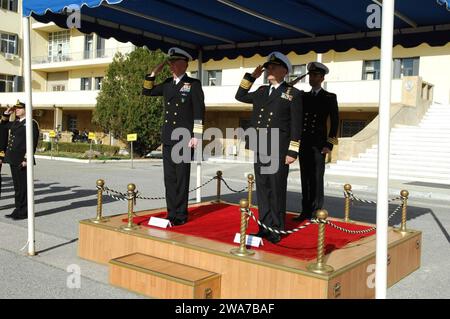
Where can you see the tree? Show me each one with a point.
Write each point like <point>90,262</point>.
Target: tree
<point>121,109</point>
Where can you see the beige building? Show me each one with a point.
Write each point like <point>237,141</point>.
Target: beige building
<point>68,68</point>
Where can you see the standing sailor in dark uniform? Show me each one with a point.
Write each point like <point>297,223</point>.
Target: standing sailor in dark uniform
<point>319,106</point>
<point>184,108</point>
<point>275,106</point>
<point>16,156</point>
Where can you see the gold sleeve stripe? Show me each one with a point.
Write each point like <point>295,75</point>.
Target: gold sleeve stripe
<point>246,84</point>
<point>148,84</point>
<point>294,146</point>
<point>2,154</point>
<point>198,129</point>
<point>333,140</point>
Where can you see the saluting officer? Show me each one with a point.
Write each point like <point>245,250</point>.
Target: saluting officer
<point>275,106</point>
<point>184,108</point>
<point>319,106</point>
<point>16,156</point>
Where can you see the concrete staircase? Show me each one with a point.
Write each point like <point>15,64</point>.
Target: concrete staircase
<point>417,153</point>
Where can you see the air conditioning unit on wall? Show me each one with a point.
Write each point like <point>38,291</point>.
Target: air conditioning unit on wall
<point>9,56</point>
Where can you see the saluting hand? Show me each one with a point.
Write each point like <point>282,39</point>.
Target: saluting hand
<point>258,71</point>
<point>158,68</point>
<point>9,110</point>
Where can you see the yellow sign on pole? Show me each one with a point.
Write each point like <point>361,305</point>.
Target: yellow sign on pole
<point>91,136</point>
<point>52,134</point>
<point>131,137</point>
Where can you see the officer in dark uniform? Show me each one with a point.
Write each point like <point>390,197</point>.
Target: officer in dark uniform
<point>17,158</point>
<point>275,106</point>
<point>319,106</point>
<point>3,143</point>
<point>184,108</point>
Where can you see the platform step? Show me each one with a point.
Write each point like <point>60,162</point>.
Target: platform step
<point>161,278</point>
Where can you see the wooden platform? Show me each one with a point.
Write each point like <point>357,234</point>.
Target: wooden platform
<point>263,275</point>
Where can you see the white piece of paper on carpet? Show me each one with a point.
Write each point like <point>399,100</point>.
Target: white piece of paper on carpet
<point>250,240</point>
<point>159,222</point>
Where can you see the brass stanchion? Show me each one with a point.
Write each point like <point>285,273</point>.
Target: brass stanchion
<point>242,250</point>
<point>131,198</point>
<point>320,267</point>
<point>99,219</point>
<point>251,181</point>
<point>404,194</point>
<point>347,202</point>
<point>219,183</point>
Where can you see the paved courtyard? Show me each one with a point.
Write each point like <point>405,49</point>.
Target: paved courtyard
<point>65,193</point>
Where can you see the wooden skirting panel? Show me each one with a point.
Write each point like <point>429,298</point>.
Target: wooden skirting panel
<point>263,275</point>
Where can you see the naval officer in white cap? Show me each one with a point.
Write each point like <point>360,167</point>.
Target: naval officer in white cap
<point>184,107</point>
<point>319,106</point>
<point>275,106</point>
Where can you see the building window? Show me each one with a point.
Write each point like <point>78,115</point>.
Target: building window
<point>350,128</point>
<point>100,47</point>
<point>371,70</point>
<point>86,84</point>
<point>406,67</point>
<point>297,70</point>
<point>402,67</point>
<point>58,87</point>
<point>88,46</point>
<point>9,43</point>
<point>72,123</point>
<point>98,83</point>
<point>10,5</point>
<point>213,78</point>
<point>6,83</point>
<point>59,46</point>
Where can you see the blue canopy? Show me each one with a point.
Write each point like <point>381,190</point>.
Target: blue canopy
<point>229,28</point>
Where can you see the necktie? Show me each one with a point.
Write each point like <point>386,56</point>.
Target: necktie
<point>174,82</point>
<point>272,88</point>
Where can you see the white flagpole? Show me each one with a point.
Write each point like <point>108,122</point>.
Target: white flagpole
<point>29,132</point>
<point>387,34</point>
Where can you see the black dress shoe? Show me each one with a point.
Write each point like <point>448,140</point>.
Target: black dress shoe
<point>179,222</point>
<point>10,216</point>
<point>19,217</point>
<point>274,238</point>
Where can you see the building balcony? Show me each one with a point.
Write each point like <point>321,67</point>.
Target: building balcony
<point>46,100</point>
<point>77,60</point>
<point>352,96</point>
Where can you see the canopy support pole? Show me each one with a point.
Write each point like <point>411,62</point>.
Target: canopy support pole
<point>29,133</point>
<point>199,150</point>
<point>387,34</point>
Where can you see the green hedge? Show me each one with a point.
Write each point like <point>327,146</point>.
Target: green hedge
<point>79,147</point>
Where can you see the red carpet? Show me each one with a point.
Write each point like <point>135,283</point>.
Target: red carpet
<point>221,222</point>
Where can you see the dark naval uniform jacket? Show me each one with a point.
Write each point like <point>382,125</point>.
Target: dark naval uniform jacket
<point>316,111</point>
<point>16,149</point>
<point>184,105</point>
<point>282,110</point>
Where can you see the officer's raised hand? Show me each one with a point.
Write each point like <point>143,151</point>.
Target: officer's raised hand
<point>258,71</point>
<point>158,68</point>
